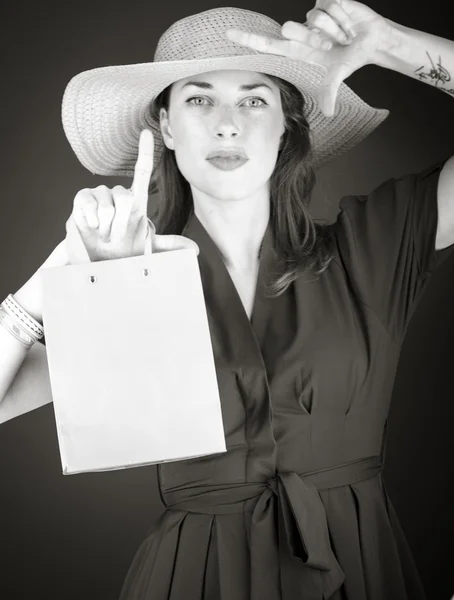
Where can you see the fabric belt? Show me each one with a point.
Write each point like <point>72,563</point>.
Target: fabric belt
<point>302,524</point>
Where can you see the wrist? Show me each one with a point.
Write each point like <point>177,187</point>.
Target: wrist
<point>394,50</point>
<point>58,257</point>
<point>29,297</point>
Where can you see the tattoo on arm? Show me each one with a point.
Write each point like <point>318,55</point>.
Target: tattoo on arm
<point>437,74</point>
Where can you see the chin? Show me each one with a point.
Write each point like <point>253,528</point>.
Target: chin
<point>230,191</point>
<point>230,186</point>
<point>232,196</point>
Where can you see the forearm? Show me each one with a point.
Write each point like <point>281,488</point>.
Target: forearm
<point>24,377</point>
<point>420,55</point>
<point>12,351</point>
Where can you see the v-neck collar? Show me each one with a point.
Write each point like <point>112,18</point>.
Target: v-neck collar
<point>240,334</point>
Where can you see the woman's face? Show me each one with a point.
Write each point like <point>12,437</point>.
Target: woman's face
<point>225,128</point>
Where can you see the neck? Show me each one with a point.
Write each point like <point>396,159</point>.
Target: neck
<point>237,226</point>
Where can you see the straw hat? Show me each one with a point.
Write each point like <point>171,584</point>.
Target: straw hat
<point>105,109</point>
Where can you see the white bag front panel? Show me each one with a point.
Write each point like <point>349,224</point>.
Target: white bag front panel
<point>130,362</point>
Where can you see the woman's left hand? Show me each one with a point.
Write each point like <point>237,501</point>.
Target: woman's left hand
<point>340,35</point>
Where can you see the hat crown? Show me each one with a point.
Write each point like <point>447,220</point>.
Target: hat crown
<point>202,35</point>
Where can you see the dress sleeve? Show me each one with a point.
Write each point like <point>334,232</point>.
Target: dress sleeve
<point>386,245</point>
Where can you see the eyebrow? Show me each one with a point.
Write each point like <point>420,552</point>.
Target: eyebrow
<point>244,88</point>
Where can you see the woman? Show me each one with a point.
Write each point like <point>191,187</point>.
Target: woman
<point>305,320</point>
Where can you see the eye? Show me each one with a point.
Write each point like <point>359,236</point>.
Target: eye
<point>198,101</point>
<point>254,102</point>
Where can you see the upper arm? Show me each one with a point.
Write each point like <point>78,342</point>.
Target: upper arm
<point>445,200</point>
<point>387,243</point>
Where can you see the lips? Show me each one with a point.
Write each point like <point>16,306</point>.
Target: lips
<point>227,159</point>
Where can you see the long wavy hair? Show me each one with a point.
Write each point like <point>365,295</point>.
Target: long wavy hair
<point>306,246</point>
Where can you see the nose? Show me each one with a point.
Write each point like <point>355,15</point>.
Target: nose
<point>226,126</point>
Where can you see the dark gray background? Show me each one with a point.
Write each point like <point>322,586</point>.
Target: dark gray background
<point>74,537</point>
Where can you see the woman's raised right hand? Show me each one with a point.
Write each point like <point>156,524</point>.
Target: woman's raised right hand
<point>113,222</point>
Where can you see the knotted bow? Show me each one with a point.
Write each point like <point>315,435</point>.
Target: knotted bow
<point>302,527</point>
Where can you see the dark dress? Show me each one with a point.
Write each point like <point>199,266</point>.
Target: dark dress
<point>296,509</point>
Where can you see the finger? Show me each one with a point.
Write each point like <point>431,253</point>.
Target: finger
<point>143,170</point>
<point>123,222</point>
<point>106,211</point>
<point>86,208</point>
<point>166,243</point>
<point>326,24</point>
<point>78,216</point>
<point>301,33</point>
<point>337,12</point>
<point>140,236</point>
<point>261,43</point>
<point>329,87</point>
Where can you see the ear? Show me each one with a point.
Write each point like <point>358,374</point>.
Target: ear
<point>165,129</point>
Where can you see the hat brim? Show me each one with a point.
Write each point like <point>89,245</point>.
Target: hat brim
<point>105,109</point>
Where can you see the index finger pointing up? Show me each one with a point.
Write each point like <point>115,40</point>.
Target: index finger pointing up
<point>143,169</point>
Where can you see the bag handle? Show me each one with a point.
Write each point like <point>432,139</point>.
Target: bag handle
<point>79,253</point>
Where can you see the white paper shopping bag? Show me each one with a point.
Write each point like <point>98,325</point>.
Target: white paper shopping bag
<point>130,362</point>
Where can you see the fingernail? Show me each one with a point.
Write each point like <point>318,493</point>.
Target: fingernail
<point>326,45</point>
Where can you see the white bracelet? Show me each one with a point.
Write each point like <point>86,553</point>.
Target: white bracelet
<point>15,329</point>
<point>27,322</point>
